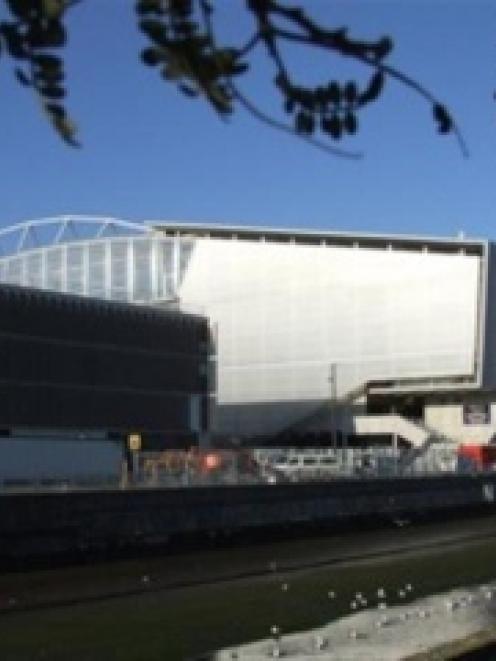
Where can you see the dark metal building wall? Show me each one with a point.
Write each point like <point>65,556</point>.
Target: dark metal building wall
<point>68,362</point>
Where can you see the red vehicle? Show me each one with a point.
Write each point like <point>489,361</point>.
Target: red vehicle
<point>477,456</point>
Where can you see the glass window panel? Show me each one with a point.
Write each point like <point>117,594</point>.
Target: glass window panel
<point>34,272</point>
<point>75,269</point>
<point>168,268</point>
<point>54,269</point>
<point>96,270</point>
<point>13,272</point>
<point>142,270</point>
<point>186,249</point>
<point>118,270</point>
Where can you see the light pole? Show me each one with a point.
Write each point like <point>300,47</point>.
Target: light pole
<point>333,385</point>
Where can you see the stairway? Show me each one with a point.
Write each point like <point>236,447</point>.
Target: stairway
<point>392,425</point>
<point>421,437</point>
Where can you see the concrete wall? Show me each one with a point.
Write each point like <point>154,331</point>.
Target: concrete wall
<point>447,419</point>
<point>63,523</point>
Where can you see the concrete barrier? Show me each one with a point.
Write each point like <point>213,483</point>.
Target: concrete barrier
<point>49,524</point>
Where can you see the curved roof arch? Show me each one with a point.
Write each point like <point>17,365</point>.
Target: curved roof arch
<point>55,230</point>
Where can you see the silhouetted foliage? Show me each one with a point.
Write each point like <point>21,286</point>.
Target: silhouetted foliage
<point>30,37</point>
<point>182,45</point>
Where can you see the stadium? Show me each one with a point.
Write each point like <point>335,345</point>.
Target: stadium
<point>314,332</point>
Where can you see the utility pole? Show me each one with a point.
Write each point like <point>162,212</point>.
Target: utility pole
<point>395,444</point>
<point>333,388</point>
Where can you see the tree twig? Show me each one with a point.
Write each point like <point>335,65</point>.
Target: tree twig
<point>387,69</point>
<point>366,52</point>
<point>280,126</point>
<point>250,44</point>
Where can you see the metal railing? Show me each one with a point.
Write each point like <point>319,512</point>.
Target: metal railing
<point>195,468</point>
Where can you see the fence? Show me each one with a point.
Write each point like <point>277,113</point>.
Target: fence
<point>195,468</point>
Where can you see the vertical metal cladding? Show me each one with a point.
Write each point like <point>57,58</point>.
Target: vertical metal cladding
<point>78,363</point>
<point>285,313</point>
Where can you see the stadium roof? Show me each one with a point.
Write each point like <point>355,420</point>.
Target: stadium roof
<point>315,236</point>
<point>32,234</point>
<point>45,232</point>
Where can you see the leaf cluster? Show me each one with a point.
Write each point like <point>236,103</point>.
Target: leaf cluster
<point>332,107</point>
<point>184,50</point>
<point>35,30</point>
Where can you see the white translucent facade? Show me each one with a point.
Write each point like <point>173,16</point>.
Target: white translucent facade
<point>287,309</point>
<point>287,314</point>
<point>102,258</point>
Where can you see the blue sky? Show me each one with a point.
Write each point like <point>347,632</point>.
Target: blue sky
<point>150,153</point>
